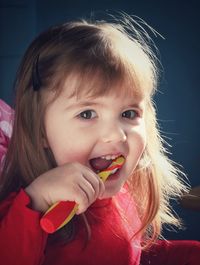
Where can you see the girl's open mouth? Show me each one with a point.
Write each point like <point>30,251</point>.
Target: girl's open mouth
<point>102,164</point>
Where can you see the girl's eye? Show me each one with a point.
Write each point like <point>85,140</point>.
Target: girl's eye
<point>130,114</point>
<point>88,114</point>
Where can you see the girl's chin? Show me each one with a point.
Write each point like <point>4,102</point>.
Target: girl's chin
<point>112,189</point>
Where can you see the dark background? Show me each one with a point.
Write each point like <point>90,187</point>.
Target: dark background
<point>178,96</point>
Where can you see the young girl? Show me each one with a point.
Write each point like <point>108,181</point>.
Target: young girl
<point>83,98</point>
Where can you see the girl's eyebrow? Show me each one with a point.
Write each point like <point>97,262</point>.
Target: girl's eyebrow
<point>92,103</point>
<point>83,104</point>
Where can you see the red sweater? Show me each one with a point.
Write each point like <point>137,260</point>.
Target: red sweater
<point>22,241</point>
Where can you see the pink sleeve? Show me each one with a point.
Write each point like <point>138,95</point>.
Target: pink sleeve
<point>22,241</point>
<point>6,123</point>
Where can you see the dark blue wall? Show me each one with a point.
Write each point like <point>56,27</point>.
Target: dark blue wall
<point>178,97</point>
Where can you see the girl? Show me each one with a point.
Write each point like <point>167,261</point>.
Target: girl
<point>83,98</point>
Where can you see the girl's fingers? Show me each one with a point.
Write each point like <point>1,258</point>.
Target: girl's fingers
<point>90,188</point>
<point>84,198</point>
<point>96,182</point>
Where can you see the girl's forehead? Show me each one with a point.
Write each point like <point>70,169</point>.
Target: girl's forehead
<point>97,85</point>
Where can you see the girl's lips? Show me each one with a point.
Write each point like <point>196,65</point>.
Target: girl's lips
<point>102,163</point>
<point>107,169</point>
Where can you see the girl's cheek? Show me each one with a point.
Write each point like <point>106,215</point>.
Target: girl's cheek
<point>74,155</point>
<point>138,136</point>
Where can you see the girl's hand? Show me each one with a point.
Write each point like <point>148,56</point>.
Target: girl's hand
<point>70,182</point>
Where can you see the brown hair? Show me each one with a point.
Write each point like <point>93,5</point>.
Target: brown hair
<point>105,54</point>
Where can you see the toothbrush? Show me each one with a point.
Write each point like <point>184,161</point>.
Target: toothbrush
<point>60,213</point>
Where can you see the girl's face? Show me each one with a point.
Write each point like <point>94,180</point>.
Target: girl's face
<point>79,130</point>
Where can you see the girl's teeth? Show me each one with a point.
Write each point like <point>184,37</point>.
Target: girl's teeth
<point>109,157</point>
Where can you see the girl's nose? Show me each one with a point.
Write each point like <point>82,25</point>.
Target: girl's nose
<point>113,133</point>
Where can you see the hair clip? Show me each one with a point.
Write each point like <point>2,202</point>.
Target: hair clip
<point>36,81</point>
